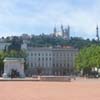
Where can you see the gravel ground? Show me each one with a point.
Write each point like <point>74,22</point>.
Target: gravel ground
<point>80,89</point>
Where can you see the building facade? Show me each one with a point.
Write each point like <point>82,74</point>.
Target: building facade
<point>51,61</point>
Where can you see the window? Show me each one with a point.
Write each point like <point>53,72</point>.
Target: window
<point>53,54</point>
<point>68,65</point>
<point>46,58</point>
<point>42,64</point>
<point>50,59</point>
<point>64,54</point>
<point>39,58</point>
<point>46,54</point>
<point>49,54</point>
<point>53,65</point>
<point>57,54</point>
<point>35,54</point>
<point>35,64</point>
<point>68,55</point>
<point>31,54</point>
<point>57,65</point>
<point>42,59</point>
<point>39,54</point>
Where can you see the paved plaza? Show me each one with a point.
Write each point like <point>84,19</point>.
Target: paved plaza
<point>80,89</point>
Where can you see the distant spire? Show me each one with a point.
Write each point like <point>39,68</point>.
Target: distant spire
<point>61,27</point>
<point>62,30</point>
<point>97,33</point>
<point>68,34</point>
<point>68,28</point>
<point>55,31</point>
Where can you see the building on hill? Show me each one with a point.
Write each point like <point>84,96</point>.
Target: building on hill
<point>24,45</point>
<point>64,33</point>
<point>25,36</point>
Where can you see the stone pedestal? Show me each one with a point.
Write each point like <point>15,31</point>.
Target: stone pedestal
<point>13,64</point>
<point>4,75</point>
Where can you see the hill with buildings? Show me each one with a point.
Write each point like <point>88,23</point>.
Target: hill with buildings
<point>15,42</point>
<point>58,38</point>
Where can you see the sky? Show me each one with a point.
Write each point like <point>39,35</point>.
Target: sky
<point>41,16</point>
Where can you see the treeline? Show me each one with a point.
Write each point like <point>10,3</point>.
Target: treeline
<point>88,59</point>
<point>49,40</point>
<point>46,40</point>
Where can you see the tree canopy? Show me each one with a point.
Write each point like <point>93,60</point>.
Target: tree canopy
<point>47,40</point>
<point>88,58</point>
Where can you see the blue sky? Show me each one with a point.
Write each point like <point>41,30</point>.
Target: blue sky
<point>40,16</point>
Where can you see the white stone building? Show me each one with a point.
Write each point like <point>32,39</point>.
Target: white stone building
<point>64,33</point>
<point>56,61</point>
<point>15,64</point>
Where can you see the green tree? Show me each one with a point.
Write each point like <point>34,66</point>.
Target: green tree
<point>2,56</point>
<point>88,58</point>
<point>15,44</point>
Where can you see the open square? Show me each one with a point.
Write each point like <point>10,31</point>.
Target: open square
<point>80,89</point>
